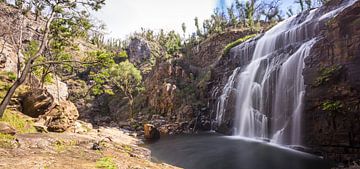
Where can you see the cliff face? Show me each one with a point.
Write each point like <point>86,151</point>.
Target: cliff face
<point>332,77</point>
<point>330,122</point>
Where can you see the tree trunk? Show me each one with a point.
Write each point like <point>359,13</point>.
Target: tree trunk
<point>8,96</point>
<point>27,68</point>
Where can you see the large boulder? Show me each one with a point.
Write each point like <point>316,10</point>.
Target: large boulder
<point>58,89</point>
<point>37,102</point>
<point>61,117</point>
<point>150,132</point>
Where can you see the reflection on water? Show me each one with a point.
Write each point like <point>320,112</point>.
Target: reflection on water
<point>213,151</point>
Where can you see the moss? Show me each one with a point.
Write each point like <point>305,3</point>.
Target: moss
<point>326,74</point>
<point>106,163</point>
<point>332,105</point>
<point>18,122</point>
<point>231,45</point>
<point>7,141</point>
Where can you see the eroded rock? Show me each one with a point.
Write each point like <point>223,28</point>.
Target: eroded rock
<point>61,117</point>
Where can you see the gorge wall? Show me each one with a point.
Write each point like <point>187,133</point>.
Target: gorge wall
<point>331,75</point>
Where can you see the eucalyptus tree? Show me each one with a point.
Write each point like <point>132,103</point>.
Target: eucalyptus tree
<point>64,19</point>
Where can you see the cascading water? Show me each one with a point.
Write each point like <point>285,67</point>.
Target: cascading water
<point>270,88</point>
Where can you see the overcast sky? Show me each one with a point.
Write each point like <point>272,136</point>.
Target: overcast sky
<point>123,17</point>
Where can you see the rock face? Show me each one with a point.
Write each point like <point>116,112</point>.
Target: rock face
<point>332,77</point>
<point>61,117</point>
<point>138,51</point>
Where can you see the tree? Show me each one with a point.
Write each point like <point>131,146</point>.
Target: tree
<point>249,12</point>
<point>127,79</point>
<point>232,18</point>
<point>198,31</point>
<point>60,15</point>
<point>271,10</point>
<point>183,27</point>
<point>308,4</point>
<point>301,4</point>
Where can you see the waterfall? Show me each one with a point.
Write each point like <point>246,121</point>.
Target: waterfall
<point>270,87</point>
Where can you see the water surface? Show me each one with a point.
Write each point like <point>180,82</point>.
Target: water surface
<point>214,151</point>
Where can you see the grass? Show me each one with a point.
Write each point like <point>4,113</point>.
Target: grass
<point>106,163</point>
<point>6,141</point>
<point>231,45</point>
<point>18,122</point>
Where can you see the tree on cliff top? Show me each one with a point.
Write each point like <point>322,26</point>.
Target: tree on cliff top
<point>59,14</point>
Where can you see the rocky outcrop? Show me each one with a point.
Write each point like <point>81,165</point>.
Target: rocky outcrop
<point>61,117</point>
<point>332,77</point>
<point>37,102</point>
<point>138,51</point>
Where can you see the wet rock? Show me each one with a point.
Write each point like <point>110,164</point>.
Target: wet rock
<point>150,132</point>
<point>61,117</point>
<point>6,129</point>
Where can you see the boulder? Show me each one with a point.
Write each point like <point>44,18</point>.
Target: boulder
<point>58,90</point>
<point>150,132</point>
<point>37,102</point>
<point>6,129</point>
<point>61,117</point>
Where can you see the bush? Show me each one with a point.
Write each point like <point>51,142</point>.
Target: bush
<point>106,163</point>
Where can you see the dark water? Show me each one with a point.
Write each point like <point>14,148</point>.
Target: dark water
<point>213,151</point>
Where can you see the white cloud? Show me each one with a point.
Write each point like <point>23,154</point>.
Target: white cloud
<point>123,17</point>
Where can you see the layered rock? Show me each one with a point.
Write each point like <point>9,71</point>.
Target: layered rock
<point>61,117</point>
<point>332,77</point>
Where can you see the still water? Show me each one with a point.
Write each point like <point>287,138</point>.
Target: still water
<point>214,151</point>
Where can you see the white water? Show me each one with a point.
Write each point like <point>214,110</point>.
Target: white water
<point>270,89</point>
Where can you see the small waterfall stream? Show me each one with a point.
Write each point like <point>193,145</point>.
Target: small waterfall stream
<point>270,87</point>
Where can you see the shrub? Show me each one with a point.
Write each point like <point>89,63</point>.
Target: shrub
<point>106,163</point>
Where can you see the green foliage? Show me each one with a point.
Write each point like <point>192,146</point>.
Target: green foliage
<point>126,77</point>
<point>332,105</point>
<point>18,122</point>
<point>229,46</point>
<point>106,163</point>
<point>38,71</point>
<point>326,73</point>
<point>99,71</point>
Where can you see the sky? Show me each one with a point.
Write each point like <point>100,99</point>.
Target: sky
<point>122,17</point>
